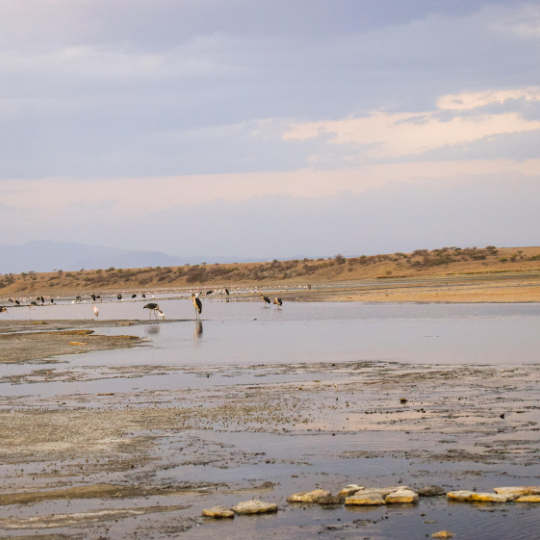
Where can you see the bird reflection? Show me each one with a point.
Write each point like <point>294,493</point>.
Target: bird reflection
<point>198,329</point>
<point>153,330</point>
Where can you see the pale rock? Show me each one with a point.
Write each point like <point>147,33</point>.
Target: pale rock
<point>254,507</point>
<point>218,512</point>
<point>401,496</point>
<point>520,490</point>
<point>384,491</point>
<point>349,490</point>
<point>310,497</point>
<point>459,495</point>
<point>442,534</point>
<point>492,497</point>
<point>365,498</point>
<point>529,498</point>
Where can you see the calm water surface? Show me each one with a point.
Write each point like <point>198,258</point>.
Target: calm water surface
<point>246,333</point>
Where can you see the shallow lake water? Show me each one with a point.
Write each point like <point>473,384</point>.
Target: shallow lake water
<point>244,333</point>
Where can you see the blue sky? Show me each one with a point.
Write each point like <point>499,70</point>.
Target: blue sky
<point>246,127</point>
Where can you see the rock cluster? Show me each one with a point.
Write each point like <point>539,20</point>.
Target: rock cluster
<point>529,494</point>
<point>378,496</point>
<point>247,507</point>
<point>355,495</point>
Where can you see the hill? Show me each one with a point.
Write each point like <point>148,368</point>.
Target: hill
<point>47,256</point>
<point>421,263</point>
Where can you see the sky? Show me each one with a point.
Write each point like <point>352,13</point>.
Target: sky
<point>267,129</point>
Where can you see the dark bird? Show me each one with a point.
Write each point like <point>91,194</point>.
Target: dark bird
<point>197,304</point>
<point>52,300</point>
<point>143,295</point>
<point>42,300</point>
<point>3,309</point>
<point>119,296</point>
<point>133,296</point>
<point>278,302</point>
<point>93,297</point>
<point>208,293</point>
<point>77,298</point>
<point>33,303</point>
<point>17,302</point>
<point>99,298</point>
<point>502,416</point>
<point>227,292</point>
<point>265,299</point>
<point>10,300</point>
<point>154,308</point>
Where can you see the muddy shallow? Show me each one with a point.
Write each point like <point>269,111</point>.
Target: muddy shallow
<point>119,444</point>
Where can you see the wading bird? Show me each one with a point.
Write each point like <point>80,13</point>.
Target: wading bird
<point>77,299</point>
<point>227,292</point>
<point>33,303</point>
<point>197,304</point>
<point>154,308</point>
<point>10,300</point>
<point>265,299</point>
<point>278,302</point>
<point>119,296</point>
<point>143,295</point>
<point>52,300</point>
<point>17,302</point>
<point>3,309</point>
<point>93,297</point>
<point>133,296</point>
<point>96,311</point>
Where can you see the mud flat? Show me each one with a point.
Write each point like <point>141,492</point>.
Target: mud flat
<point>38,341</point>
<point>144,462</point>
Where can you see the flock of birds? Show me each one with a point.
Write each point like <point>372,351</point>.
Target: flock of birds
<point>153,307</point>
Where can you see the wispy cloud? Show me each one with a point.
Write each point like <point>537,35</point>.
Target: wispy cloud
<point>388,135</point>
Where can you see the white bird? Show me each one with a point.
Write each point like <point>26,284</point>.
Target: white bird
<point>160,314</point>
<point>96,311</point>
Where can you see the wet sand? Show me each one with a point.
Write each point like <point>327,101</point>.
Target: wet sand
<point>144,462</point>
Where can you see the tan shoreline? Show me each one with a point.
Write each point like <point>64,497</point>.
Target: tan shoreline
<point>403,277</point>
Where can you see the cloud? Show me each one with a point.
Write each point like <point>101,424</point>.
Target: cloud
<point>105,88</point>
<point>467,101</point>
<point>389,135</point>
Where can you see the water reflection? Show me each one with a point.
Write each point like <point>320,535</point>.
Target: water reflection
<point>153,330</point>
<point>198,329</point>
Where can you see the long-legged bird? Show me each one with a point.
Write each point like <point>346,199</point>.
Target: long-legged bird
<point>197,304</point>
<point>154,308</point>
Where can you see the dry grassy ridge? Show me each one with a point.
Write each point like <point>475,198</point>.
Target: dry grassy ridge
<point>447,261</point>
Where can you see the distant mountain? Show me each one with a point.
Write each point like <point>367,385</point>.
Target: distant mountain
<point>46,256</point>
